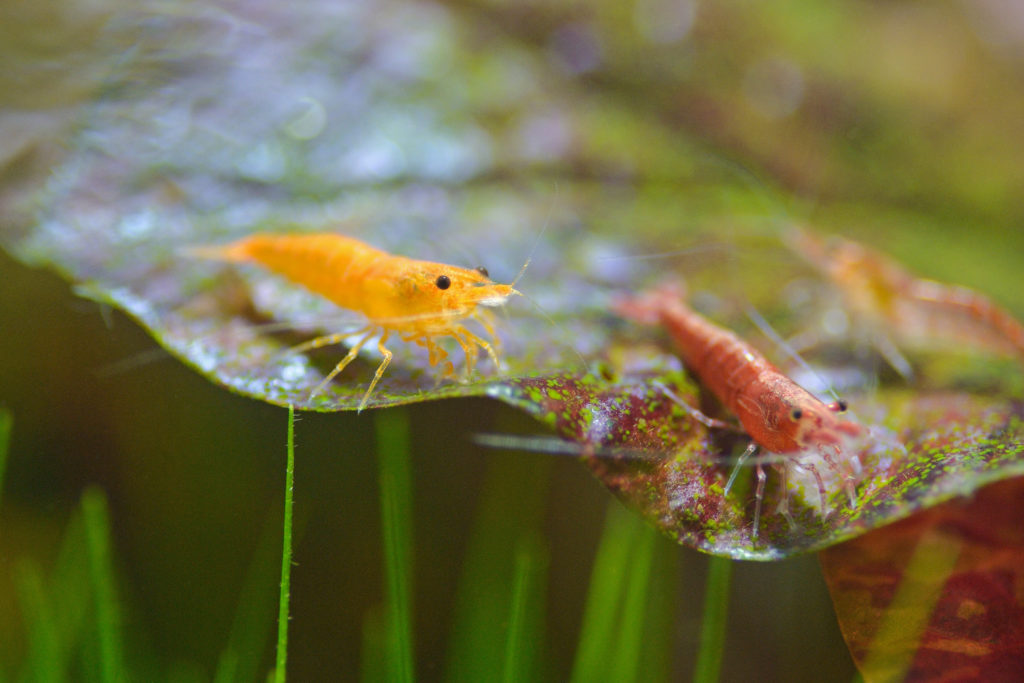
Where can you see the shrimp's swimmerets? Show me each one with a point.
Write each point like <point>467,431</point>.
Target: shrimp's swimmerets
<point>778,414</point>
<point>419,301</point>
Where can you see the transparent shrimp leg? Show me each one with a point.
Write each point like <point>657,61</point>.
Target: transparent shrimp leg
<point>386,353</point>
<point>486,320</point>
<point>467,348</point>
<point>761,477</point>
<point>849,484</point>
<point>469,341</point>
<point>326,340</point>
<point>758,498</point>
<point>783,507</point>
<point>822,495</point>
<point>349,357</point>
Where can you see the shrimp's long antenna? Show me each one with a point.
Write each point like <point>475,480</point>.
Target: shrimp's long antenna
<point>767,330</point>
<point>552,445</point>
<point>533,302</point>
<point>538,238</point>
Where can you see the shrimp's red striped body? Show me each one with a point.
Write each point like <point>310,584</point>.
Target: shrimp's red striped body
<point>778,414</point>
<point>417,300</point>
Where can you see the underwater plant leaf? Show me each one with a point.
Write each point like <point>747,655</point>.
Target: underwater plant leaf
<point>347,124</point>
<point>936,596</point>
<point>380,122</point>
<point>931,448</point>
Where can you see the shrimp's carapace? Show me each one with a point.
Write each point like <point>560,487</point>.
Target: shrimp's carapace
<point>892,301</point>
<point>419,301</point>
<point>778,414</point>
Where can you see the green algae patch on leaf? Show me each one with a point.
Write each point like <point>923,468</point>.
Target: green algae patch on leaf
<point>936,595</point>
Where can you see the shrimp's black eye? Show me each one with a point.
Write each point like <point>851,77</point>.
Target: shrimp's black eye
<point>482,271</point>
<point>443,282</point>
<point>839,406</point>
<point>796,414</point>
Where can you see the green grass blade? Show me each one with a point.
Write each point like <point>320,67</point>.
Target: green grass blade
<point>286,556</point>
<point>6,422</point>
<point>713,625</point>
<point>392,432</point>
<point>601,614</point>
<point>46,659</point>
<point>70,588</point>
<point>511,508</point>
<point>526,616</point>
<point>374,656</point>
<point>625,664</point>
<point>101,572</point>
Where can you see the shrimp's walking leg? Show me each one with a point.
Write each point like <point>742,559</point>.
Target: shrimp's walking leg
<point>758,498</point>
<point>783,507</point>
<point>486,321</point>
<point>849,485</point>
<point>821,487</point>
<point>467,348</point>
<point>349,357</point>
<point>386,353</point>
<point>473,339</point>
<point>326,340</point>
<point>709,422</point>
<point>759,492</point>
<point>739,465</point>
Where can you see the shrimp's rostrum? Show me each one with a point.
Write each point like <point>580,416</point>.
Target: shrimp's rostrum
<point>779,415</point>
<point>419,301</point>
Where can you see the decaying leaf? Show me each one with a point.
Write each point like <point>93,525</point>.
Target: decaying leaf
<point>937,596</point>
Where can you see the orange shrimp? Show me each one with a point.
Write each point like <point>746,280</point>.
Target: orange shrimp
<point>779,415</point>
<point>878,290</point>
<point>417,300</point>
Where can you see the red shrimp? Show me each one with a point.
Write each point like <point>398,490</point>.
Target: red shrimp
<point>779,415</point>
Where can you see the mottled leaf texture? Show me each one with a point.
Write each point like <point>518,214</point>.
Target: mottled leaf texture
<point>387,122</point>
<point>937,597</point>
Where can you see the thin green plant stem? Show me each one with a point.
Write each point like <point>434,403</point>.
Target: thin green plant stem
<point>510,509</point>
<point>525,615</point>
<point>96,515</point>
<point>628,645</point>
<point>714,621</point>
<point>392,432</point>
<point>286,555</point>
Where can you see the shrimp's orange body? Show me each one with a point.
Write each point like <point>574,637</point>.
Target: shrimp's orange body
<point>417,300</point>
<point>778,414</point>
